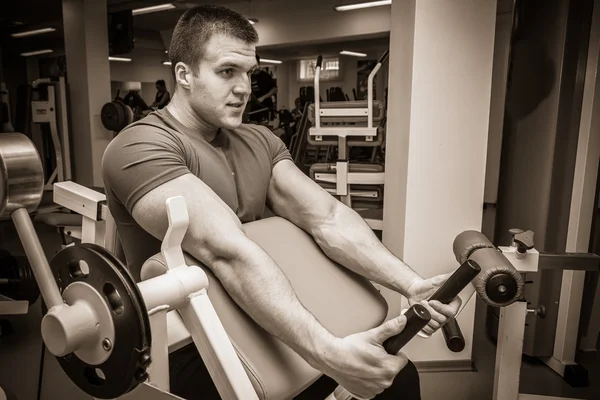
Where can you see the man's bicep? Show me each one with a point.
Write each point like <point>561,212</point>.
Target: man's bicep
<point>211,221</point>
<point>296,197</point>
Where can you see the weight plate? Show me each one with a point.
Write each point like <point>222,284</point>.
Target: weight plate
<point>137,295</point>
<point>126,366</point>
<point>113,116</point>
<point>16,278</point>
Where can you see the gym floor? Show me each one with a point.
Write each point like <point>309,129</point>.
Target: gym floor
<point>536,378</point>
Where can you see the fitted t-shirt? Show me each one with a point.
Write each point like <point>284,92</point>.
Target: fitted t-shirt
<point>237,165</point>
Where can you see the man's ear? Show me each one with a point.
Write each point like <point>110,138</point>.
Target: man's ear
<point>183,75</point>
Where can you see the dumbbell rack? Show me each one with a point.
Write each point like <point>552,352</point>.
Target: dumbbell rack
<point>343,178</point>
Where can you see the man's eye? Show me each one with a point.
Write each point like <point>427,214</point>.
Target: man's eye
<point>227,71</point>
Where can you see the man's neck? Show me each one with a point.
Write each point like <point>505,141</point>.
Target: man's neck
<point>181,111</point>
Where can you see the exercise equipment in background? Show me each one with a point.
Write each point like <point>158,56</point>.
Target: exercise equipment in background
<point>120,112</point>
<point>344,125</point>
<point>5,119</point>
<point>43,104</point>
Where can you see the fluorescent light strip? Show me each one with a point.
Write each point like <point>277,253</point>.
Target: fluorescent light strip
<point>37,52</point>
<point>151,9</point>
<point>32,33</point>
<point>167,63</point>
<point>266,60</point>
<point>119,59</point>
<point>357,6</point>
<point>352,53</point>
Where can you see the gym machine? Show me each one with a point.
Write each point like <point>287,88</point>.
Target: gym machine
<point>112,337</point>
<point>350,124</point>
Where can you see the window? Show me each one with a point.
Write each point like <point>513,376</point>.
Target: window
<point>330,69</point>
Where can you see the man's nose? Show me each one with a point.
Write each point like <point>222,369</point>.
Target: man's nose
<point>243,86</point>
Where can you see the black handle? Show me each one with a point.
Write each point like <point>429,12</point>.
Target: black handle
<point>319,61</point>
<point>417,317</point>
<point>453,335</point>
<point>383,57</point>
<point>457,282</point>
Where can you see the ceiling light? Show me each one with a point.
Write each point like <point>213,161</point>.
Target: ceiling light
<point>357,6</point>
<point>151,9</point>
<point>352,53</point>
<point>32,33</point>
<point>167,63</point>
<point>253,20</point>
<point>119,59</point>
<point>266,60</point>
<point>166,51</point>
<point>37,52</point>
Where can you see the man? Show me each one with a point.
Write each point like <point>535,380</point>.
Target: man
<point>263,90</point>
<point>228,172</point>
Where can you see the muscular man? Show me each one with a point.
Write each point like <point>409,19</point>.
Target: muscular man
<point>229,172</point>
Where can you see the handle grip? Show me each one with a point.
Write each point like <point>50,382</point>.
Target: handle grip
<point>319,61</point>
<point>457,282</point>
<point>453,335</point>
<point>416,318</point>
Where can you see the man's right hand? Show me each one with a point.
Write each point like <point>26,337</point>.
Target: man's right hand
<point>360,364</point>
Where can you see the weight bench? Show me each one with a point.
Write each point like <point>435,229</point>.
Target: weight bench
<point>274,371</point>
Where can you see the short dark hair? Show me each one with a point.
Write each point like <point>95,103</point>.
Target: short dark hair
<point>196,27</point>
<point>161,82</point>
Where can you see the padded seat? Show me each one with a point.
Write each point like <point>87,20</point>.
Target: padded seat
<point>341,300</point>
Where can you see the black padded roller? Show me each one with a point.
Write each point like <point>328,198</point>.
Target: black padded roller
<point>467,242</point>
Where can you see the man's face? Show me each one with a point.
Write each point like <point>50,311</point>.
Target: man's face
<point>221,88</point>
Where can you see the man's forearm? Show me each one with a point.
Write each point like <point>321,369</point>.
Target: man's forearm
<point>347,239</point>
<point>261,289</point>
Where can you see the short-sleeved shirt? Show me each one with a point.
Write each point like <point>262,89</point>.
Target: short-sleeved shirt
<point>237,165</point>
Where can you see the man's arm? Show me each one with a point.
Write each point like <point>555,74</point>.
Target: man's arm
<point>215,237</point>
<point>270,93</point>
<point>341,233</point>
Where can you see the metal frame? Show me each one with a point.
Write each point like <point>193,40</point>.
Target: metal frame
<point>53,111</point>
<point>195,314</point>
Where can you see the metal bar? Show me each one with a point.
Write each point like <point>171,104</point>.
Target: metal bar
<point>569,262</point>
<point>37,258</point>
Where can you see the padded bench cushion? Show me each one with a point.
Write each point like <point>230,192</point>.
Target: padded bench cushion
<point>342,301</point>
<point>378,112</point>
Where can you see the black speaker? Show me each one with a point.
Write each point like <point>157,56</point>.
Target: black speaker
<point>120,32</point>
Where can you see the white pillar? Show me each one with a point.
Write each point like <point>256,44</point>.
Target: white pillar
<point>86,48</point>
<point>441,57</point>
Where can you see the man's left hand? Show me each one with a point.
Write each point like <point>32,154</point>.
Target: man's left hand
<point>423,289</point>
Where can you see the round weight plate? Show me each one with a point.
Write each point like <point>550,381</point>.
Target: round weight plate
<point>113,116</point>
<point>130,352</point>
<point>137,297</point>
